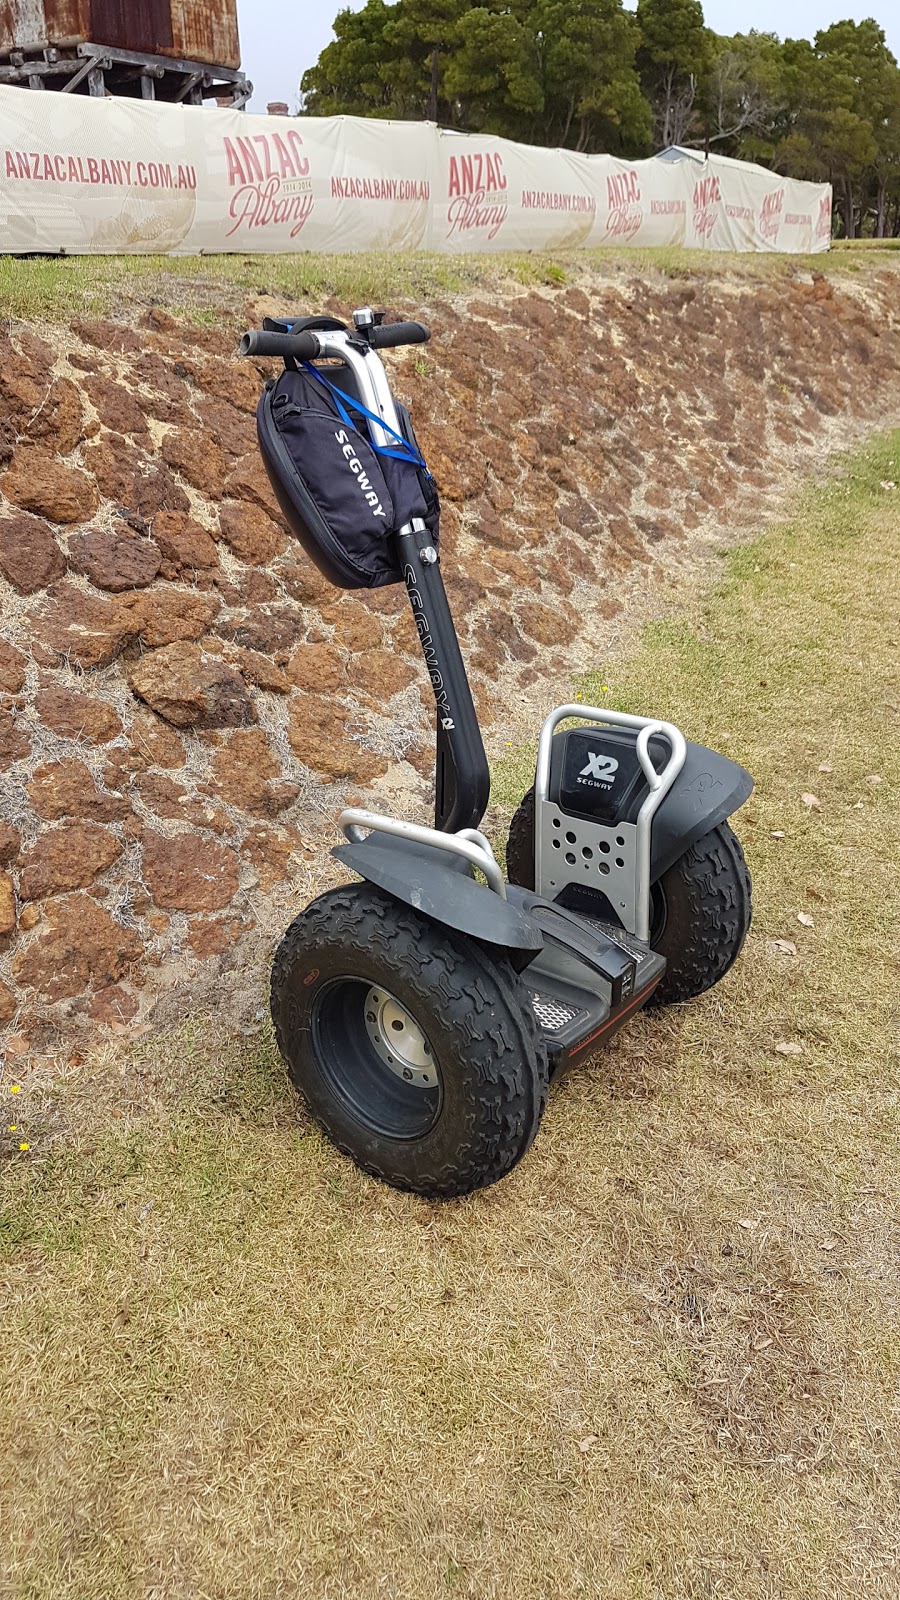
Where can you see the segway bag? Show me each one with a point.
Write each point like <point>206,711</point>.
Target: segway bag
<point>342,497</point>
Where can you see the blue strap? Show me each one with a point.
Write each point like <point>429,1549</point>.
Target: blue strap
<point>342,400</point>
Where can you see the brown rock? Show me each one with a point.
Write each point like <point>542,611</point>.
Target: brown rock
<point>354,628</point>
<point>191,689</point>
<point>317,668</point>
<point>253,587</point>
<point>89,631</point>
<point>30,557</point>
<point>80,947</point>
<point>14,744</point>
<point>304,582</point>
<point>250,533</point>
<point>211,936</point>
<point>544,624</point>
<point>271,630</point>
<point>234,381</point>
<point>29,917</point>
<point>76,716</point>
<point>169,614</point>
<point>166,798</point>
<point>9,1005</point>
<point>134,483</point>
<point>233,430</point>
<point>113,1005</point>
<point>65,858</point>
<point>115,559</point>
<point>318,735</point>
<point>189,874</point>
<point>185,545</point>
<point>9,843</point>
<point>118,409</point>
<point>248,480</point>
<point>117,337</point>
<point>381,674</point>
<point>258,669</point>
<point>12,668</point>
<point>243,770</point>
<point>271,851</point>
<point>155,744</point>
<point>38,482</point>
<point>7,904</point>
<point>198,458</point>
<point>66,789</point>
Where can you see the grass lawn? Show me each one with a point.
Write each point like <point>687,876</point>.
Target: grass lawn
<point>659,1361</point>
<point>200,288</point>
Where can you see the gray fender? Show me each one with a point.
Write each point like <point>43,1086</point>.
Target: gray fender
<point>708,789</point>
<point>437,885</point>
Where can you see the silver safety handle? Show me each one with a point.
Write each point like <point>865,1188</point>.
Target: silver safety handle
<point>468,843</point>
<point>658,783</point>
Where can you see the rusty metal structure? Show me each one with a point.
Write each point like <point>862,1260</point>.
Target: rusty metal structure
<point>183,51</point>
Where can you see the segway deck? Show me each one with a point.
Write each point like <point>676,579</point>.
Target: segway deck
<point>589,978</point>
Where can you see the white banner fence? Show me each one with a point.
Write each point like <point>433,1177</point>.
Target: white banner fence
<point>85,176</point>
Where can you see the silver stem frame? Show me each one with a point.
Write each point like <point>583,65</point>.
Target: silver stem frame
<point>371,381</point>
<point>468,843</point>
<point>658,783</point>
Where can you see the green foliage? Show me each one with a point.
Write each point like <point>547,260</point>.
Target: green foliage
<point>589,75</point>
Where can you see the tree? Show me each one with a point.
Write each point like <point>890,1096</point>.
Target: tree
<point>745,94</point>
<point>673,60</point>
<point>356,75</point>
<point>839,90</point>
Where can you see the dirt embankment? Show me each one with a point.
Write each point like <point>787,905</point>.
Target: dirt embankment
<point>185,703</point>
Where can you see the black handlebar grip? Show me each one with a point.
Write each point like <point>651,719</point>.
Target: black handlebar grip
<point>302,346</point>
<point>399,333</point>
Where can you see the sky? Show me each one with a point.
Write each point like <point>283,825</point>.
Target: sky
<point>281,38</point>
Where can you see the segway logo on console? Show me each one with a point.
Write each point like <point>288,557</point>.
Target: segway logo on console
<point>356,467</point>
<point>424,631</point>
<point>599,772</point>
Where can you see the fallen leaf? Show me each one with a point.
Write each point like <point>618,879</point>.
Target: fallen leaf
<point>805,918</point>
<point>777,833</point>
<point>762,1344</point>
<point>873,777</point>
<point>17,1045</point>
<point>827,1244</point>
<point>784,947</point>
<point>587,1444</point>
<point>826,766</point>
<point>748,1223</point>
<point>811,803</point>
<point>786,1047</point>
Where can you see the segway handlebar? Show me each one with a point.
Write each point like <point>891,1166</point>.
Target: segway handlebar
<point>302,346</point>
<point>384,337</point>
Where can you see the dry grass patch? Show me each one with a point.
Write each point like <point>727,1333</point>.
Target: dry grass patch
<point>659,1361</point>
<point>206,289</point>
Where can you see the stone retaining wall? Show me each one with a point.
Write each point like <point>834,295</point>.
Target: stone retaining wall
<point>184,701</point>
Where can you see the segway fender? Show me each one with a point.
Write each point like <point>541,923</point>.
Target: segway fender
<point>438,886</point>
<point>708,789</point>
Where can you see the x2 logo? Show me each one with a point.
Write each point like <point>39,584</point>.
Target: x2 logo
<point>600,769</point>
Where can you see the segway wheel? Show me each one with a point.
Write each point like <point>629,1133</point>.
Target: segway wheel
<point>700,908</point>
<point>417,1053</point>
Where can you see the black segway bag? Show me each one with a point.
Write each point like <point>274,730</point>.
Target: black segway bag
<point>342,496</point>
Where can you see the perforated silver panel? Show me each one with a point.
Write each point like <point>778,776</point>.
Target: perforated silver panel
<point>592,854</point>
<point>551,1014</point>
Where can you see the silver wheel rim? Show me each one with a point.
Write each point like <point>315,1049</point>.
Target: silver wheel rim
<point>398,1040</point>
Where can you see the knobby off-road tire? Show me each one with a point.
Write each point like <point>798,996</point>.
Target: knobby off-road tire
<point>489,1059</point>
<point>700,908</point>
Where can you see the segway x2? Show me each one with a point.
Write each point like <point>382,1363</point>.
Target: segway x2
<point>423,1010</point>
